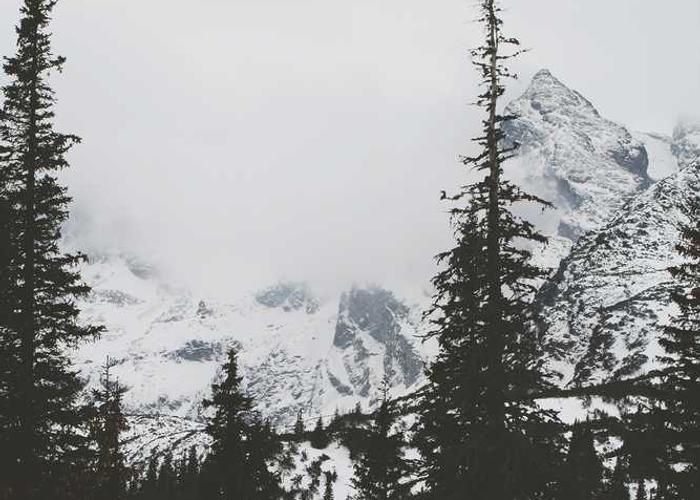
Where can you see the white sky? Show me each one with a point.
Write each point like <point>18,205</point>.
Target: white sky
<point>237,141</point>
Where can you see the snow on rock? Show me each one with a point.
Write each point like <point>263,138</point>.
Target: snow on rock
<point>606,306</point>
<point>686,142</point>
<point>662,161</point>
<point>586,165</point>
<point>169,344</point>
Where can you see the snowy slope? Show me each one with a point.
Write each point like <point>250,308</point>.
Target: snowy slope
<point>298,352</point>
<point>662,161</point>
<point>608,303</point>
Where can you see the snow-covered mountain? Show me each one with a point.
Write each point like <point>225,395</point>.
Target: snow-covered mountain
<point>299,352</point>
<point>620,198</point>
<point>609,301</point>
<point>570,155</point>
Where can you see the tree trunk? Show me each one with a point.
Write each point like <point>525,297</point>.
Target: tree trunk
<point>496,405</point>
<point>28,323</point>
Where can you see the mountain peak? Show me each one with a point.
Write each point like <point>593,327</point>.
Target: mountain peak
<point>586,164</point>
<point>544,75</point>
<point>547,94</point>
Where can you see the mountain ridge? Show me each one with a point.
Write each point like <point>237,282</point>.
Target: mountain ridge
<point>301,352</point>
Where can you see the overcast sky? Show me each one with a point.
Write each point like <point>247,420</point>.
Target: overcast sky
<point>238,141</point>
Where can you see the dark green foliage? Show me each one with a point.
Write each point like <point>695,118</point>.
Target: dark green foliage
<point>480,434</point>
<point>350,430</point>
<point>616,489</point>
<point>582,474</point>
<point>111,472</point>
<point>149,487</point>
<point>43,448</point>
<point>243,447</point>
<point>299,429</point>
<point>166,485</point>
<point>645,449</point>
<point>319,438</point>
<point>331,478</point>
<point>188,476</point>
<point>680,382</point>
<point>641,490</point>
<point>380,470</point>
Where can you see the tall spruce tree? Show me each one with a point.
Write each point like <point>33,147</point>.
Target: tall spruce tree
<point>480,433</point>
<point>41,447</point>
<point>242,448</point>
<point>582,476</point>
<point>319,437</point>
<point>680,385</point>
<point>7,350</point>
<point>109,423</point>
<point>381,470</point>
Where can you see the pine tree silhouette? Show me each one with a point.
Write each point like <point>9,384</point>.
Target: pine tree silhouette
<point>480,433</point>
<point>299,429</point>
<point>319,437</point>
<point>39,391</point>
<point>331,478</point>
<point>112,474</point>
<point>616,489</point>
<point>679,406</point>
<point>582,477</point>
<point>381,470</point>
<point>242,448</point>
<point>189,476</point>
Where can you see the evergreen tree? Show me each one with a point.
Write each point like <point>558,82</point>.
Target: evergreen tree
<point>680,386</point>
<point>110,422</point>
<point>241,449</point>
<point>7,351</point>
<point>480,433</point>
<point>319,438</point>
<point>641,490</point>
<point>189,476</point>
<point>646,451</point>
<point>381,470</point>
<point>357,411</point>
<point>331,478</point>
<point>149,486</point>
<point>40,443</point>
<point>582,477</point>
<point>299,429</point>
<point>616,489</point>
<point>166,485</point>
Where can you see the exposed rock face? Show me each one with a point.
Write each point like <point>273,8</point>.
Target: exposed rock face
<point>608,303</point>
<point>686,143</point>
<point>289,297</point>
<point>587,165</point>
<point>198,350</point>
<point>374,317</point>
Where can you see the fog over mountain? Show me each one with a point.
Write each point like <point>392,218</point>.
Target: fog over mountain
<point>236,142</point>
